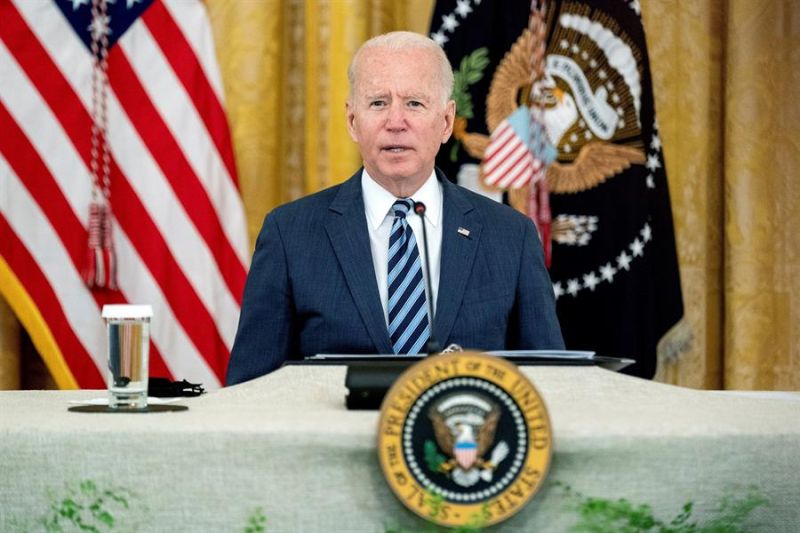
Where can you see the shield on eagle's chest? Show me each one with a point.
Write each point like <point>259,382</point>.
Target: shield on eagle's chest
<point>466,453</point>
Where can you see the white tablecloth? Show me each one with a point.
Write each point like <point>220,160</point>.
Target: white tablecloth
<point>283,447</point>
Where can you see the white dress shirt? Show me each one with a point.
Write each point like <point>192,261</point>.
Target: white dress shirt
<point>378,209</point>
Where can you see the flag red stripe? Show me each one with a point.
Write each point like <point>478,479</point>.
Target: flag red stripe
<point>36,284</point>
<point>493,157</point>
<point>519,173</point>
<point>519,153</point>
<point>187,67</point>
<point>183,300</point>
<point>499,139</point>
<point>146,239</point>
<point>36,177</point>
<point>514,168</point>
<point>497,174</point>
<point>34,174</point>
<point>176,169</point>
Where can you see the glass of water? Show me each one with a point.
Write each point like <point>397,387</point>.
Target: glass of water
<point>128,335</point>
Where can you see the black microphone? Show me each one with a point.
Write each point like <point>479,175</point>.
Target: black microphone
<point>432,346</point>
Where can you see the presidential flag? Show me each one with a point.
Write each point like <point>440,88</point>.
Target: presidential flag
<point>176,218</point>
<point>614,264</point>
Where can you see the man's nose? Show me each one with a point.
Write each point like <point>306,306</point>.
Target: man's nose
<point>396,118</point>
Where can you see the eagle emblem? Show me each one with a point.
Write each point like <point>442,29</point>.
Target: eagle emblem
<point>464,438</point>
<point>590,93</point>
<point>464,425</point>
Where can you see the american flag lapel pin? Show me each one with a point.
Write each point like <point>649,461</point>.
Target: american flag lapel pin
<point>463,231</point>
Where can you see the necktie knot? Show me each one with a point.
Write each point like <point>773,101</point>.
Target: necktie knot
<point>402,207</point>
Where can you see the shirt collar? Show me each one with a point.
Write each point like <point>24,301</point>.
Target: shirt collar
<point>378,201</point>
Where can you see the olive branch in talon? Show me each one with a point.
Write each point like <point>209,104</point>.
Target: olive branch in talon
<point>469,72</point>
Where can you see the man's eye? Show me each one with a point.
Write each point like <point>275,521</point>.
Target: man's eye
<point>377,103</point>
<point>415,103</point>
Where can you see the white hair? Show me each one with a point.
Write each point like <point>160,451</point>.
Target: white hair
<point>406,40</point>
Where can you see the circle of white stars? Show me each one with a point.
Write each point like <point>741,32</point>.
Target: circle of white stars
<point>452,20</point>
<point>606,273</point>
<point>635,249</point>
<point>516,461</point>
<point>653,162</point>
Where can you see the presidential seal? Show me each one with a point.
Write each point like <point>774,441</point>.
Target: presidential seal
<point>464,439</point>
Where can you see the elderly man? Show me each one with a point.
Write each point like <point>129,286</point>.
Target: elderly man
<point>341,271</point>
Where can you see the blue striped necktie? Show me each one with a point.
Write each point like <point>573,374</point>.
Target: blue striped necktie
<point>408,313</point>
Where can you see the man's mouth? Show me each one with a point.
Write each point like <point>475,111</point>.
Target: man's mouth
<point>396,148</point>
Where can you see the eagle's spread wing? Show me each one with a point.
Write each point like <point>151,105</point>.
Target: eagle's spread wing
<point>444,437</point>
<point>475,144</point>
<point>596,162</point>
<point>485,435</point>
<point>512,74</point>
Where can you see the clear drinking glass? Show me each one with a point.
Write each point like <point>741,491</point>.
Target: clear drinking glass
<point>128,335</point>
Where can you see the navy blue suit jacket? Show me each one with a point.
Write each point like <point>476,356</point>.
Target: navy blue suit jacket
<point>312,289</point>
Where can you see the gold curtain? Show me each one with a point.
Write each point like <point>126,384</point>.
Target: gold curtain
<point>725,75</point>
<point>284,66</point>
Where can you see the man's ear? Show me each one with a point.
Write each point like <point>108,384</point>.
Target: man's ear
<point>350,118</point>
<point>449,118</point>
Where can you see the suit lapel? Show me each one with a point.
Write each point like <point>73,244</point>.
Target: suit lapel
<point>458,255</point>
<point>346,226</point>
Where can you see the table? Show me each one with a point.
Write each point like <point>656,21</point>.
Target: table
<point>282,452</point>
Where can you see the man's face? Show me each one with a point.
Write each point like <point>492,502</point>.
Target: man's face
<point>396,115</point>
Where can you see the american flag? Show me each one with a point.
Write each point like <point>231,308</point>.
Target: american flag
<point>178,220</point>
<point>508,162</point>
